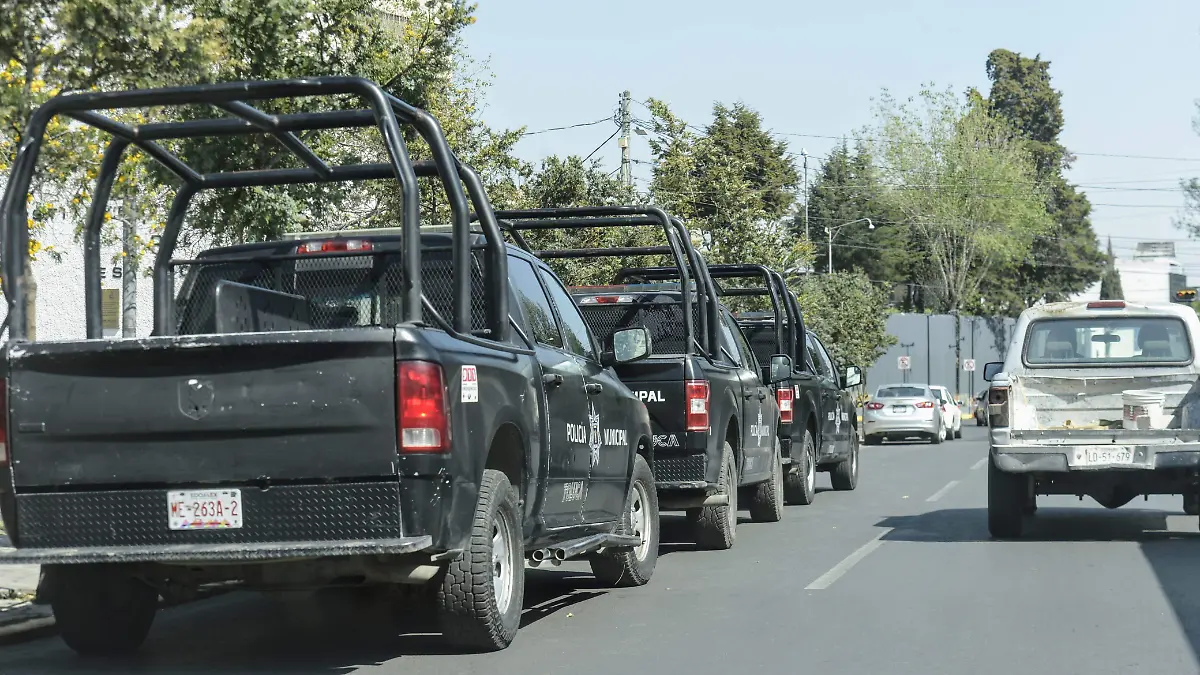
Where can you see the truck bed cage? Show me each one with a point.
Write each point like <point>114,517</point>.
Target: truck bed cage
<point>688,262</point>
<point>384,111</point>
<point>773,286</point>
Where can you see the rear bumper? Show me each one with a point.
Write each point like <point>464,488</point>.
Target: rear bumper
<point>226,553</point>
<point>1064,459</point>
<point>883,425</point>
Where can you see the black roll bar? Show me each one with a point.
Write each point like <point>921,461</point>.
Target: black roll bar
<point>687,260</point>
<point>384,111</point>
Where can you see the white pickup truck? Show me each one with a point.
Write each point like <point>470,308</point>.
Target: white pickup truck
<point>1094,398</point>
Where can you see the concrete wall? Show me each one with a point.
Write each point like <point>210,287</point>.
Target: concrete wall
<point>931,350</point>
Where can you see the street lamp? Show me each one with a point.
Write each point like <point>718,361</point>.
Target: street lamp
<point>833,232</point>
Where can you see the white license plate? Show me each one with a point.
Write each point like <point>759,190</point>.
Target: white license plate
<point>204,509</point>
<point>1101,456</point>
<point>900,409</point>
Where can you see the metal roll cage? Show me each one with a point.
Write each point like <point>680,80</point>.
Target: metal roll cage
<point>689,264</point>
<point>385,111</point>
<point>773,286</point>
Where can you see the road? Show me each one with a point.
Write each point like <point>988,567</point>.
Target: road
<point>897,577</point>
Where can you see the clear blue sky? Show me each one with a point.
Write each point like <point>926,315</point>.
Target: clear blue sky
<point>1129,73</point>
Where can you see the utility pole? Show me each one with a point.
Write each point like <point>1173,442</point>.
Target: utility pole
<point>804,156</point>
<point>623,141</point>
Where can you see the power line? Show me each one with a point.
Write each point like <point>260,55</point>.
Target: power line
<point>614,135</point>
<point>569,126</point>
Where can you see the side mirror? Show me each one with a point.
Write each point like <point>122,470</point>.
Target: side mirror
<point>991,370</point>
<point>627,346</point>
<point>781,368</point>
<point>852,377</point>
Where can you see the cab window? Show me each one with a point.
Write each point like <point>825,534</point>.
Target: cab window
<point>534,303</point>
<point>576,337</point>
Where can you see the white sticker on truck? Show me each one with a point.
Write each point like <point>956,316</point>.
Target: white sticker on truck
<point>470,384</point>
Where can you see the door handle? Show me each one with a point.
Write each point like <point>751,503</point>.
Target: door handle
<point>593,387</point>
<point>749,396</point>
<point>552,379</point>
<point>762,395</point>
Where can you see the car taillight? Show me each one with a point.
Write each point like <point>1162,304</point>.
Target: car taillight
<point>3,422</point>
<point>607,300</point>
<point>783,396</point>
<point>334,246</point>
<point>1106,304</point>
<point>874,406</point>
<point>998,407</point>
<point>924,404</point>
<point>422,412</point>
<point>697,404</point>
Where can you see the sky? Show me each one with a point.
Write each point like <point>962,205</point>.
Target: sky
<point>1129,74</point>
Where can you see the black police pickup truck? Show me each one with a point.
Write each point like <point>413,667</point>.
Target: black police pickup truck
<point>712,413</point>
<point>380,409</point>
<point>818,420</point>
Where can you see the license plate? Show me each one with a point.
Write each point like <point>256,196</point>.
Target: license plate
<point>1101,456</point>
<point>204,509</point>
<point>899,408</point>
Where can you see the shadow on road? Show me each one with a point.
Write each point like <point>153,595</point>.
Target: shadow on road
<point>339,632</point>
<point>1049,524</point>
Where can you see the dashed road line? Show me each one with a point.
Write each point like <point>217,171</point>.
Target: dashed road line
<point>942,493</point>
<point>979,464</point>
<point>826,580</point>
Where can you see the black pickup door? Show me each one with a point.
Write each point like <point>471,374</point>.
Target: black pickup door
<point>96,426</point>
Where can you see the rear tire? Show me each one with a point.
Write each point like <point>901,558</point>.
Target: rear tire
<point>938,437</point>
<point>482,591</point>
<point>800,485</point>
<point>100,610</point>
<point>1191,504</point>
<point>845,474</point>
<point>634,567</point>
<point>766,505</point>
<point>716,526</point>
<point>1006,503</point>
<point>958,432</point>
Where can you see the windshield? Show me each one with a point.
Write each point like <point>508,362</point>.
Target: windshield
<point>1108,340</point>
<point>902,392</point>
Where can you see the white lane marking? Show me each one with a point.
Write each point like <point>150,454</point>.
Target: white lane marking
<point>942,493</point>
<point>979,464</point>
<point>826,580</point>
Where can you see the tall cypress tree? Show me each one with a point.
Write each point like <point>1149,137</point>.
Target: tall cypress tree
<point>1110,285</point>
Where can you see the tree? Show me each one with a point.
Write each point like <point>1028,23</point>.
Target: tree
<point>1067,258</point>
<point>964,185</point>
<point>1189,221</point>
<point>849,313</point>
<point>1110,284</point>
<point>731,183</point>
<point>562,183</point>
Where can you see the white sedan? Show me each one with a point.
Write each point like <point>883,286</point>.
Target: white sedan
<point>951,413</point>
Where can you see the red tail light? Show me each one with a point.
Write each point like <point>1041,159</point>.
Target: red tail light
<point>1106,304</point>
<point>606,300</point>
<point>874,406</point>
<point>334,246</point>
<point>422,412</point>
<point>783,396</point>
<point>697,402</point>
<point>3,422</point>
<point>924,404</point>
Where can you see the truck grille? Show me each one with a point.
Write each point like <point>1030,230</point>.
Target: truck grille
<point>139,517</point>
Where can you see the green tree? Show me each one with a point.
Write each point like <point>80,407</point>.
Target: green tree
<point>1110,283</point>
<point>849,312</point>
<point>1067,258</point>
<point>731,182</point>
<point>1189,220</point>
<point>964,186</point>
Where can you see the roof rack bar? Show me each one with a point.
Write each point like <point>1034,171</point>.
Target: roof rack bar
<point>93,225</point>
<point>571,253</point>
<point>270,124</point>
<point>174,164</point>
<point>575,223</point>
<point>272,177</point>
<point>225,126</point>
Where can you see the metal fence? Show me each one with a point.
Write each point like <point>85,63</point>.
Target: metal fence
<point>928,342</point>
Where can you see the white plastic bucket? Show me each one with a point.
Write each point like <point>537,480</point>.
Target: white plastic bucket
<point>1141,408</point>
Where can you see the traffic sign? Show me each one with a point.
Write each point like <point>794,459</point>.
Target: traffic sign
<point>969,365</point>
<point>1185,295</point>
<point>904,362</point>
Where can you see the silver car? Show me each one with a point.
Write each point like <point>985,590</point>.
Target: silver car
<point>899,411</point>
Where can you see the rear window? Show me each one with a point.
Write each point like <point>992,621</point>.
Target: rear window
<point>1103,340</point>
<point>664,320</point>
<point>900,392</point>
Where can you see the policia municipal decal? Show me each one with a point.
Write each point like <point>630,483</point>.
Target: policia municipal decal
<point>595,437</point>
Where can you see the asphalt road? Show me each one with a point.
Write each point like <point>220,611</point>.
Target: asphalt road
<point>896,577</point>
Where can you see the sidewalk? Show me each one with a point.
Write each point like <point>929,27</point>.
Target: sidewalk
<point>18,614</point>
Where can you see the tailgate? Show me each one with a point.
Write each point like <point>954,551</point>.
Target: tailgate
<point>314,406</point>
<point>659,384</point>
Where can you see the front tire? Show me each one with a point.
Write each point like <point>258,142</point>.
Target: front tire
<point>844,476</point>
<point>800,485</point>
<point>634,567</point>
<point>766,505</point>
<point>101,611</point>
<point>1006,502</point>
<point>716,526</point>
<point>482,591</point>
